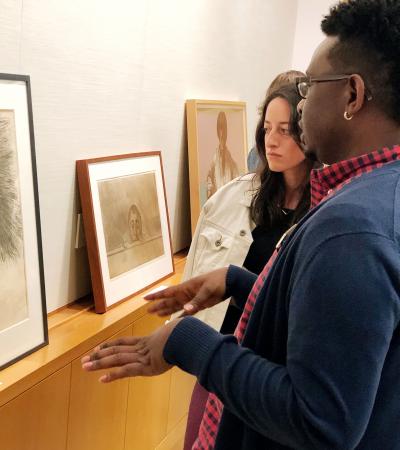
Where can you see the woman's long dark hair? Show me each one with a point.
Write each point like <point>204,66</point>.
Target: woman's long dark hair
<point>267,203</point>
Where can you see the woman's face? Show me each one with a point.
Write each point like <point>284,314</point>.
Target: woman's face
<point>281,150</point>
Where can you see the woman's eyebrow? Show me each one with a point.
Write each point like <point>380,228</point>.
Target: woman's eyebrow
<point>280,123</point>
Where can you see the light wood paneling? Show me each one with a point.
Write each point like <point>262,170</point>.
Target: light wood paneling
<point>180,394</point>
<point>35,392</point>
<point>74,331</point>
<point>175,438</point>
<point>37,419</point>
<point>97,411</point>
<point>147,417</point>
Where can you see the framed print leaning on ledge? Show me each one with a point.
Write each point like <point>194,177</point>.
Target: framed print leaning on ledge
<point>23,318</point>
<point>126,223</point>
<point>217,146</point>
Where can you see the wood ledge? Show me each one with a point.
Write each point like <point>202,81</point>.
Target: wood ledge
<point>73,331</point>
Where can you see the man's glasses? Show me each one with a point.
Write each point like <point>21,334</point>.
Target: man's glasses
<point>304,83</point>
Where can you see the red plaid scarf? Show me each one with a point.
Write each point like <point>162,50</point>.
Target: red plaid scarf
<point>324,182</point>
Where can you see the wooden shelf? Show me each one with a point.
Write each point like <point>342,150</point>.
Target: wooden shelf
<point>73,331</point>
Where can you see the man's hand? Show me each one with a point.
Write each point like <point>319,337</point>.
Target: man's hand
<point>193,295</point>
<point>131,356</point>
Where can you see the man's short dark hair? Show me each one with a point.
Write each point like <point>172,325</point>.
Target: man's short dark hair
<point>369,44</point>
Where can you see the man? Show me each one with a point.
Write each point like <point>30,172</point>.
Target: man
<point>319,363</point>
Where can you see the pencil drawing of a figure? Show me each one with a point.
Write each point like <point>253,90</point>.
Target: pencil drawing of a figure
<point>135,223</point>
<point>131,221</point>
<point>13,301</point>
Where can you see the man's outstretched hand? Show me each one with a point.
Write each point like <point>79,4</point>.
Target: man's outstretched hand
<point>192,296</point>
<point>131,356</point>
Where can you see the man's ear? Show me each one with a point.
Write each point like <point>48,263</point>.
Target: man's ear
<point>357,94</point>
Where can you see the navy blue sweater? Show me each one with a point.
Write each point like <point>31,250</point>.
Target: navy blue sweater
<point>320,363</point>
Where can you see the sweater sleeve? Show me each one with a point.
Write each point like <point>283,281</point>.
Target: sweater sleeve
<point>239,283</point>
<point>344,307</point>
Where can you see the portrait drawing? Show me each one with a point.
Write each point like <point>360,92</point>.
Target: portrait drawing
<point>131,221</point>
<point>221,148</point>
<point>13,297</point>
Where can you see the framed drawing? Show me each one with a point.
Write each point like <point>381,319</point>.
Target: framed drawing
<point>217,143</point>
<point>23,318</point>
<point>126,224</point>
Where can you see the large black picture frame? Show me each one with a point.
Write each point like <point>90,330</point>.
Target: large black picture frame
<point>23,315</point>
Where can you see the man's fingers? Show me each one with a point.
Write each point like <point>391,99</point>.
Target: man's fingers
<point>127,340</point>
<point>157,306</point>
<point>199,301</point>
<point>114,360</point>
<point>166,312</point>
<point>165,307</point>
<point>101,353</point>
<point>130,370</point>
<point>164,293</point>
<point>171,305</point>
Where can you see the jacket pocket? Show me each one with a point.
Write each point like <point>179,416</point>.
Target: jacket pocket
<point>217,249</point>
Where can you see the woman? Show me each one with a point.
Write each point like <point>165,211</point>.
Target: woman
<point>223,167</point>
<point>223,233</point>
<point>243,221</point>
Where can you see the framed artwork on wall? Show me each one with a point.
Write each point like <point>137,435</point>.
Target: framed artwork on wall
<point>23,317</point>
<point>217,145</point>
<point>126,224</point>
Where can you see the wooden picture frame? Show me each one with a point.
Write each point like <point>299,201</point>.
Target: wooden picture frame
<point>217,146</point>
<point>23,316</point>
<point>126,224</point>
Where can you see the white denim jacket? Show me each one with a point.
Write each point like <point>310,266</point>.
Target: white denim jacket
<point>222,237</point>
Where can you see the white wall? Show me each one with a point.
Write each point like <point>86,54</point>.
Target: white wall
<point>308,30</point>
<point>112,77</point>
